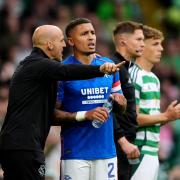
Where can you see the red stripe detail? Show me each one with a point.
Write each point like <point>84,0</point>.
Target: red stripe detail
<point>117,83</point>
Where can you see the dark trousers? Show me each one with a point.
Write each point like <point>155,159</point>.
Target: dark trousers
<point>23,165</point>
<point>124,168</point>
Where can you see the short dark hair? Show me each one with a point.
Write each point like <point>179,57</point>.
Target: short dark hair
<point>127,27</point>
<point>152,33</point>
<point>75,23</point>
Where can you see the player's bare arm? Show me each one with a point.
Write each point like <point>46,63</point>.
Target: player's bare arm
<point>172,113</point>
<point>99,113</point>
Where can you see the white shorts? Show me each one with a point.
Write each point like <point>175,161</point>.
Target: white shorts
<point>103,169</point>
<point>147,169</point>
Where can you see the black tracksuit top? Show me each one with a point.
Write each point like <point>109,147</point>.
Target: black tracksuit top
<point>126,124</point>
<point>32,99</point>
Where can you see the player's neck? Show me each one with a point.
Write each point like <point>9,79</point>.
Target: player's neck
<point>124,54</point>
<point>83,58</point>
<point>144,64</point>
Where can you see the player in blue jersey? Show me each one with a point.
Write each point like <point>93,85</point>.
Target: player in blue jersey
<point>88,153</point>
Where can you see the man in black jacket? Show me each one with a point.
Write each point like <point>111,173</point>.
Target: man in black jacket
<point>31,103</point>
<point>128,39</point>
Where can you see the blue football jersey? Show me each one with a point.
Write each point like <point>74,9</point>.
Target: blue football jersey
<point>81,140</point>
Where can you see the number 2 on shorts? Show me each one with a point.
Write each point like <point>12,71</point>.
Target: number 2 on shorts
<point>110,170</point>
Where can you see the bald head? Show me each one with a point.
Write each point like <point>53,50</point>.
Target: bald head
<point>50,39</point>
<point>45,33</point>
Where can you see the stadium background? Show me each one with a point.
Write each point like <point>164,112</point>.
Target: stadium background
<point>18,19</point>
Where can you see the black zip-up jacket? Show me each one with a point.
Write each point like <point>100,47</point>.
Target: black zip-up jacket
<point>32,100</point>
<point>125,124</point>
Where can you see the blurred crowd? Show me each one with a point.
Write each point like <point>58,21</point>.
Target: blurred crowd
<point>19,18</point>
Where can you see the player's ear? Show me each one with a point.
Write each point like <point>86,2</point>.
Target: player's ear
<point>122,41</point>
<point>70,41</point>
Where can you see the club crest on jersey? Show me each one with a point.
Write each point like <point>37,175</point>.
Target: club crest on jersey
<point>107,75</point>
<point>42,170</point>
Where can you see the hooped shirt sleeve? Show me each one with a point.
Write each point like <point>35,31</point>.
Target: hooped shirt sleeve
<point>116,86</point>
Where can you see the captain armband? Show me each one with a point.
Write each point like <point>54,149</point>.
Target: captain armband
<point>80,115</point>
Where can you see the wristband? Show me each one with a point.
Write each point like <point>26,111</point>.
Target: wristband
<point>80,115</point>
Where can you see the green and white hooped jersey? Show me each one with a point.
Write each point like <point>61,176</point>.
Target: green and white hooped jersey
<point>147,92</point>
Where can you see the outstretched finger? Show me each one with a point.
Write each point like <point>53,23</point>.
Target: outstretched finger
<point>120,64</point>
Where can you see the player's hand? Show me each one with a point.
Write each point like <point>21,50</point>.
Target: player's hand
<point>129,149</point>
<point>119,101</point>
<point>109,68</point>
<point>99,113</point>
<point>173,111</point>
